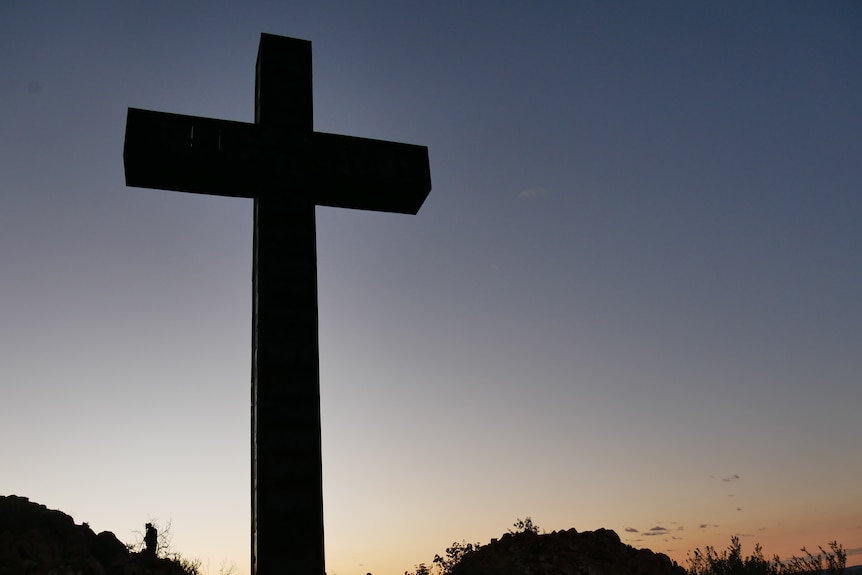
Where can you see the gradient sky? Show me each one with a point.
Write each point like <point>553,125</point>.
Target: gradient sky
<point>632,299</point>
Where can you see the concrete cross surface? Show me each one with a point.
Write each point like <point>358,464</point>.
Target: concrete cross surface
<point>287,168</point>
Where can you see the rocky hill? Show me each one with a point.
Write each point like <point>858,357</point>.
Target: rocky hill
<point>35,540</point>
<point>597,552</point>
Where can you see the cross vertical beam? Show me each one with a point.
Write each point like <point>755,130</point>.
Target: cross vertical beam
<point>287,483</point>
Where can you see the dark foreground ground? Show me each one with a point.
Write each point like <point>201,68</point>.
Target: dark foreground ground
<point>35,540</point>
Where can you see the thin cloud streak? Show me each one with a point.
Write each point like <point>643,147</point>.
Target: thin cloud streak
<point>531,193</point>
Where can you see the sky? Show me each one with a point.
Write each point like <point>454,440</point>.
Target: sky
<point>630,301</point>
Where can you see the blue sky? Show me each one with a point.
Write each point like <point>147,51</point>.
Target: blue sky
<point>630,301</point>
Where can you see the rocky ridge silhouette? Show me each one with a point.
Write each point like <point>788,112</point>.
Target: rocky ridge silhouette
<point>35,540</point>
<point>598,552</point>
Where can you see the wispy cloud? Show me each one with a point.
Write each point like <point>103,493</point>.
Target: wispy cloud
<point>727,479</point>
<point>854,551</point>
<point>631,530</point>
<point>531,193</point>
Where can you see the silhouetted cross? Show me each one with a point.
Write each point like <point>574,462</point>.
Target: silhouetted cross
<point>288,169</point>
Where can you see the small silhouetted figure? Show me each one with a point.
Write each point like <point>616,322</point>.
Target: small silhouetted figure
<point>151,540</point>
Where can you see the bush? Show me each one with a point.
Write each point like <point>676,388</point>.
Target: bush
<point>731,562</point>
<point>454,554</point>
<point>524,526</point>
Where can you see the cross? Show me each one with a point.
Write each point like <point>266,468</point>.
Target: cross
<point>287,168</point>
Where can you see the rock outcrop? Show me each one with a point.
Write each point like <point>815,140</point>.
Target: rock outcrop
<point>35,540</point>
<point>597,552</point>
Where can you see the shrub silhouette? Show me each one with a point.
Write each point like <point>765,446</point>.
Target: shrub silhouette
<point>731,562</point>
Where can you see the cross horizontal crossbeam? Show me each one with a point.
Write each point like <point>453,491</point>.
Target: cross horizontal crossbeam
<point>237,159</point>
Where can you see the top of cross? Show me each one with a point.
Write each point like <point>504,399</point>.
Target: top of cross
<point>278,151</point>
<point>282,83</point>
